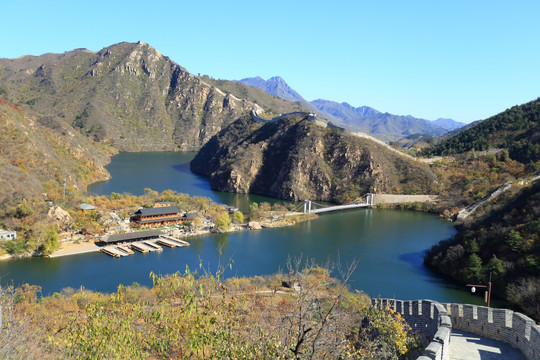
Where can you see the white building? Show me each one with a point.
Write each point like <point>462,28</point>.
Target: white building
<point>7,235</point>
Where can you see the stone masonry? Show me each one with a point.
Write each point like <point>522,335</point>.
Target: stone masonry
<point>434,321</point>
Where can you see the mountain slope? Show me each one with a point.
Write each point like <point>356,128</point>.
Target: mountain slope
<point>294,158</point>
<point>516,129</point>
<point>38,152</point>
<point>127,95</point>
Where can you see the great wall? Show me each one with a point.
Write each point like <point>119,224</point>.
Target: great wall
<point>435,322</point>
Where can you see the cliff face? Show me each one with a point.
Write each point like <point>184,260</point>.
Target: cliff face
<point>295,159</point>
<point>127,95</point>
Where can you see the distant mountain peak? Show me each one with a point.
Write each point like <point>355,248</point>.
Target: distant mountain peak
<point>275,85</point>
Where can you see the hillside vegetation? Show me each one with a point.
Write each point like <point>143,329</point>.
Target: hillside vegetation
<point>191,317</point>
<point>36,155</point>
<point>517,130</point>
<point>505,242</point>
<point>294,158</point>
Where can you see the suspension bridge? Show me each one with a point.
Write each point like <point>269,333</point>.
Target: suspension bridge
<point>311,207</point>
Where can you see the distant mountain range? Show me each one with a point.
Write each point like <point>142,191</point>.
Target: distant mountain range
<point>384,126</point>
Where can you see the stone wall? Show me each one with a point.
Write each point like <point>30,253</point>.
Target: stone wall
<point>398,199</point>
<point>430,320</point>
<point>500,324</point>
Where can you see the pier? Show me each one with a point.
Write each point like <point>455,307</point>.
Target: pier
<point>125,249</point>
<point>140,248</point>
<point>112,251</point>
<point>175,240</point>
<point>166,242</point>
<point>152,245</point>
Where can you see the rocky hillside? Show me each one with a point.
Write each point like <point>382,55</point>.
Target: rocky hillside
<point>127,95</point>
<point>295,158</point>
<point>272,104</point>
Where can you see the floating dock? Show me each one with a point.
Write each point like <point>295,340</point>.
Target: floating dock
<point>109,250</point>
<point>166,242</point>
<point>152,245</point>
<point>140,248</point>
<point>125,249</point>
<point>175,240</point>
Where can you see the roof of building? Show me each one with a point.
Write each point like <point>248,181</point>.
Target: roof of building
<point>158,210</point>
<point>85,206</point>
<point>192,216</point>
<point>131,236</point>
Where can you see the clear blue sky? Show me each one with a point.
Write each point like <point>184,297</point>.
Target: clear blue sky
<point>465,60</point>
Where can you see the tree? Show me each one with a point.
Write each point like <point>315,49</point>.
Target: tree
<point>238,217</point>
<point>473,270</point>
<point>223,221</point>
<point>151,193</point>
<point>196,223</point>
<point>253,207</point>
<point>51,243</point>
<point>23,210</point>
<point>496,266</point>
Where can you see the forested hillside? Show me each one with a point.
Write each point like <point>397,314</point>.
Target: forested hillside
<point>505,242</point>
<point>516,129</point>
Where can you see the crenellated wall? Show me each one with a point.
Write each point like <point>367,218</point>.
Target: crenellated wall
<point>504,325</point>
<point>435,322</point>
<point>430,319</point>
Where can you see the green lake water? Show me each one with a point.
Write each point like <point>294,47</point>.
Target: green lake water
<point>388,244</point>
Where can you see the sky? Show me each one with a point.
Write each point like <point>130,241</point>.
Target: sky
<point>461,59</point>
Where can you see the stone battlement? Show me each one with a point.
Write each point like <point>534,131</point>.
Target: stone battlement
<point>434,321</point>
<point>430,320</point>
<point>504,325</point>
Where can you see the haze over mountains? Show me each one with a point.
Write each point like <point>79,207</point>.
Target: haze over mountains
<point>384,126</point>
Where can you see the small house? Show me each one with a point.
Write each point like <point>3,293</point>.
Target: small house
<point>7,235</point>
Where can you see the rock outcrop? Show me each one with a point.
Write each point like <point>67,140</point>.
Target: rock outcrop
<point>60,216</point>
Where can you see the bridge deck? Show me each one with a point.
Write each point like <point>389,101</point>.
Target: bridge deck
<point>338,207</point>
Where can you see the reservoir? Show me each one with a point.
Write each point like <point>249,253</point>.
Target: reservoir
<point>387,244</point>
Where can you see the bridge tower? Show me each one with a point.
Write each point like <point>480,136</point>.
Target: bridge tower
<point>307,206</point>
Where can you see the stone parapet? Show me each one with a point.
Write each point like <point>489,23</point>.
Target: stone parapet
<point>430,320</point>
<point>504,325</point>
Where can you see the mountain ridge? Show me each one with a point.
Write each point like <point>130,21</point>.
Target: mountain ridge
<point>382,125</point>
